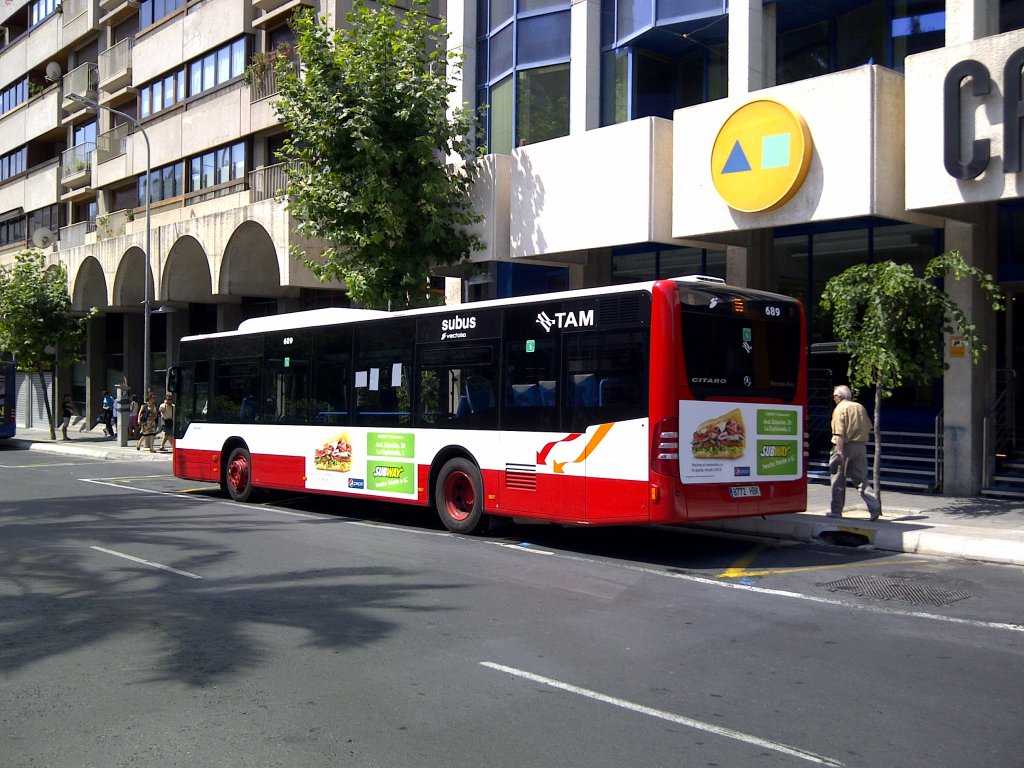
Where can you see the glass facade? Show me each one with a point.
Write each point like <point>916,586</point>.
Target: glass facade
<point>523,71</point>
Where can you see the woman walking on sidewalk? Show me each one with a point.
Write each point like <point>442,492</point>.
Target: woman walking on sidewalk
<point>167,416</point>
<point>147,424</point>
<point>67,411</point>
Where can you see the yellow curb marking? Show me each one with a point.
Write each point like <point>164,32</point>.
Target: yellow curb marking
<point>734,573</point>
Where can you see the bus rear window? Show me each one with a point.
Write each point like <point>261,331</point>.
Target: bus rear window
<point>740,345</point>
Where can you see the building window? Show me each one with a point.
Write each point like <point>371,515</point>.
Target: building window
<point>151,11</point>
<point>218,166</point>
<point>13,163</point>
<point>12,230</point>
<point>14,95</point>
<point>657,57</point>
<point>523,71</point>
<point>217,67</point>
<point>48,217</point>
<point>637,263</point>
<point>40,11</point>
<point>167,183</point>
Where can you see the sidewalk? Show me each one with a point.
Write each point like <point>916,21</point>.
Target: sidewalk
<point>93,443</point>
<point>990,530</point>
<point>974,528</point>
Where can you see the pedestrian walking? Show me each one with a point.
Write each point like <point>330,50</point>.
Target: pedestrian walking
<point>133,417</point>
<point>851,428</point>
<point>147,423</point>
<point>167,415</point>
<point>107,413</point>
<point>67,411</point>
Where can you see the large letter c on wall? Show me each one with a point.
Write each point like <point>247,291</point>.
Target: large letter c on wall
<point>981,83</point>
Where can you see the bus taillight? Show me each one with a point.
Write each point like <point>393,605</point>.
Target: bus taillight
<point>665,447</point>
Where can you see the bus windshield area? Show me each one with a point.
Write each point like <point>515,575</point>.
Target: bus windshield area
<point>740,344</point>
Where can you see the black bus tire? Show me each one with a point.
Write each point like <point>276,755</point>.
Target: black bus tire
<point>237,480</point>
<point>459,496</point>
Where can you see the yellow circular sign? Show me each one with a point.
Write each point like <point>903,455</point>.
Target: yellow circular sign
<point>761,156</point>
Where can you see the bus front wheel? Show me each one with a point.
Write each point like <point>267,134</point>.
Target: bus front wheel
<point>238,475</point>
<point>459,495</point>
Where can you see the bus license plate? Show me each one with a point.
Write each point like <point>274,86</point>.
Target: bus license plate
<point>744,491</point>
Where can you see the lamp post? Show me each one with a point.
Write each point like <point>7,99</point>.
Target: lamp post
<point>95,105</point>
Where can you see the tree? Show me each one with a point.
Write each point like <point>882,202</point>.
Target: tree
<point>892,322</point>
<point>368,156</point>
<point>34,319</point>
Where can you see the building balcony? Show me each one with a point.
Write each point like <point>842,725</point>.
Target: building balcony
<point>84,81</point>
<point>76,166</point>
<point>116,11</point>
<point>113,143</point>
<point>268,183</point>
<point>277,11</point>
<point>115,67</point>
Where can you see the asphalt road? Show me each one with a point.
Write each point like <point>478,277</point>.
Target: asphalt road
<point>147,622</point>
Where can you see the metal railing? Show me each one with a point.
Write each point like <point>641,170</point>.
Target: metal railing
<point>113,143</point>
<point>76,160</point>
<point>83,80</point>
<point>116,59</point>
<point>263,78</point>
<point>269,182</point>
<point>999,429</point>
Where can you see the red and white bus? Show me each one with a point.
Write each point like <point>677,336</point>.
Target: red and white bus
<point>660,402</point>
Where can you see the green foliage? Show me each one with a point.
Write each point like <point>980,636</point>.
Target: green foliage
<point>34,315</point>
<point>892,322</point>
<point>370,135</point>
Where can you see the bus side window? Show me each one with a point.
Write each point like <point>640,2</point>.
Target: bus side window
<point>606,378</point>
<point>332,376</point>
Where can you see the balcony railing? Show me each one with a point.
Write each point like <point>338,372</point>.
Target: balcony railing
<point>73,235</point>
<point>72,9</point>
<point>269,182</point>
<point>84,81</point>
<point>76,161</point>
<point>262,78</point>
<point>115,64</point>
<point>113,143</point>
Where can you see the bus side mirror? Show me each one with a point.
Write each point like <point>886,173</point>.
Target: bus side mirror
<point>172,379</point>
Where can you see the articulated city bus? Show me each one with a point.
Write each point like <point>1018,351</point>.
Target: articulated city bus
<point>8,400</point>
<point>660,402</point>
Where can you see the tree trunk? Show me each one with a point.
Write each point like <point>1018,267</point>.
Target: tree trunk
<point>46,401</point>
<point>876,479</point>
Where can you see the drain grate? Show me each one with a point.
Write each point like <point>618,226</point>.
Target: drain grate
<point>895,589</point>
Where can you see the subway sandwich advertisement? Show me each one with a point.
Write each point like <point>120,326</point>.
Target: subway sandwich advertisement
<point>723,442</point>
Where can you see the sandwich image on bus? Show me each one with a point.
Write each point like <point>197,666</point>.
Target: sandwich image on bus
<point>662,402</point>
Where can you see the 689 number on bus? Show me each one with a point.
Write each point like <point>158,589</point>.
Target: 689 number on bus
<point>773,311</point>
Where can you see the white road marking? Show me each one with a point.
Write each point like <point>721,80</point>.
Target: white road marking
<point>525,547</point>
<point>780,592</point>
<point>146,562</point>
<point>728,733</point>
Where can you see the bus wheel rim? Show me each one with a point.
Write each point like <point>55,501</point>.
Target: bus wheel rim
<point>238,473</point>
<point>459,496</point>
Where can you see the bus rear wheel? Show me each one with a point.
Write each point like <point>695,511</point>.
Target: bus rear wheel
<point>238,475</point>
<point>459,496</point>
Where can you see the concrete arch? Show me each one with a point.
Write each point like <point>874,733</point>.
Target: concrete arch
<point>186,273</point>
<point>130,280</point>
<point>251,265</point>
<point>89,286</point>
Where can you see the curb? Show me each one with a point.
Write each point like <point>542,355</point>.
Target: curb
<point>965,544</point>
<point>91,451</point>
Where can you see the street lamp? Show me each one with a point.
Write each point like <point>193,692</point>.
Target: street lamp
<point>93,104</point>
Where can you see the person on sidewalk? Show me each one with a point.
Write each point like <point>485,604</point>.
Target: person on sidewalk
<point>107,413</point>
<point>67,411</point>
<point>133,418</point>
<point>147,424</point>
<point>167,416</point>
<point>851,428</point>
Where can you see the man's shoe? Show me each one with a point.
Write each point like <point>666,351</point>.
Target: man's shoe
<point>876,514</point>
<point>831,514</point>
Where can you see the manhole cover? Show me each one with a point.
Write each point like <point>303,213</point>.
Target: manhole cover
<point>895,589</point>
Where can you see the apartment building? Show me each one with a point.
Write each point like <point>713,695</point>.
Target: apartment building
<point>612,126</point>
